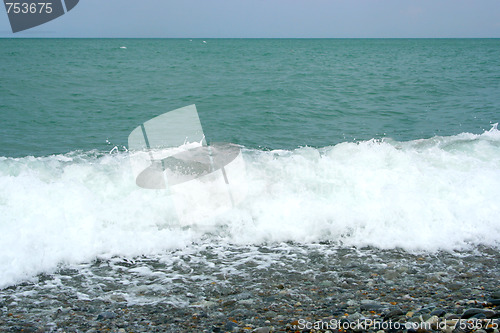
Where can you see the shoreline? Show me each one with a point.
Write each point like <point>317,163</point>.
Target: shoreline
<point>314,288</point>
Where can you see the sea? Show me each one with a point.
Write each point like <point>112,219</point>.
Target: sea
<point>369,145</point>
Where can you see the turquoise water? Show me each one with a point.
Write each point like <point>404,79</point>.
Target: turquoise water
<point>62,95</point>
<point>381,143</point>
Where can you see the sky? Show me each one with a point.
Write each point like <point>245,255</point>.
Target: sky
<point>271,19</point>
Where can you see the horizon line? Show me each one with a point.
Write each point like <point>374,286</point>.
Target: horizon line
<point>33,37</point>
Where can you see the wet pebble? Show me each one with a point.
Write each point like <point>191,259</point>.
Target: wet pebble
<point>228,302</point>
<point>106,315</point>
<point>471,312</point>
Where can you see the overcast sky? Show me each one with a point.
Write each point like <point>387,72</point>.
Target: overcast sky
<point>271,18</point>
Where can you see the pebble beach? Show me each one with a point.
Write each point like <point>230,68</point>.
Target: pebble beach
<point>279,288</point>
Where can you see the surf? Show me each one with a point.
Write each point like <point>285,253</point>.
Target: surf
<point>427,195</point>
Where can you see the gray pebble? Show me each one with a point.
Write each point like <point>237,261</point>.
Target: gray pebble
<point>262,330</point>
<point>393,314</point>
<point>231,326</point>
<point>438,312</point>
<point>106,315</point>
<point>371,307</point>
<point>471,312</point>
<point>494,301</point>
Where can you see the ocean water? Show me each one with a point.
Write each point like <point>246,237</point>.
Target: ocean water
<point>380,144</point>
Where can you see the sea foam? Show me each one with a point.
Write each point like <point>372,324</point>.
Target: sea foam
<point>423,195</point>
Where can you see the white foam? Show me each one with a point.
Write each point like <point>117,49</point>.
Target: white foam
<point>438,193</point>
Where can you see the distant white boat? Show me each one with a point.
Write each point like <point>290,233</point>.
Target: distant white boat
<point>204,41</point>
<point>123,47</point>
